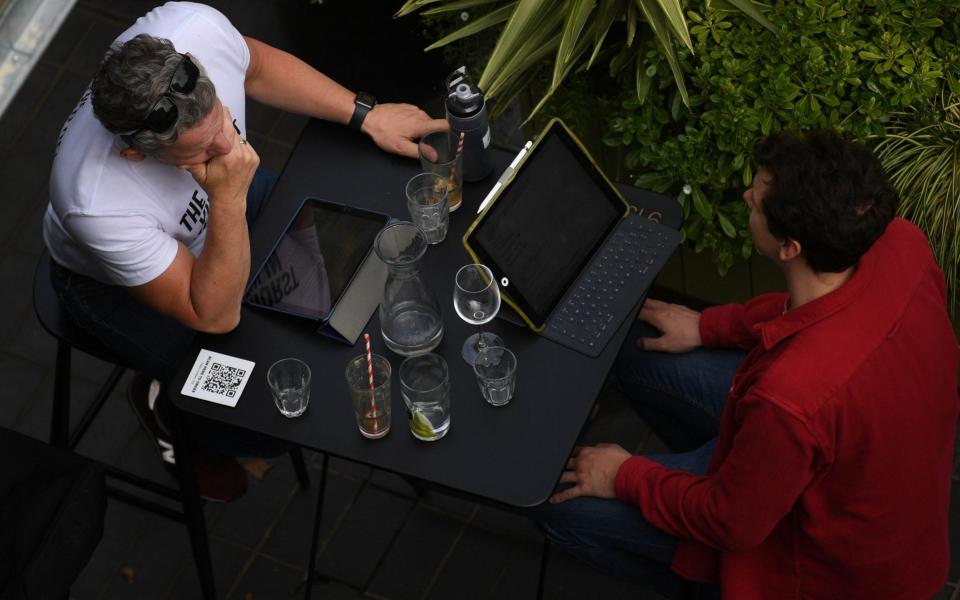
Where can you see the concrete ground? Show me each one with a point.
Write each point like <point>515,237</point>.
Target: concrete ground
<point>379,539</point>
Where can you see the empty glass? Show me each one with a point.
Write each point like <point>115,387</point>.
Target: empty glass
<point>496,369</point>
<point>427,203</point>
<point>371,406</point>
<point>476,297</point>
<point>425,386</point>
<point>289,381</point>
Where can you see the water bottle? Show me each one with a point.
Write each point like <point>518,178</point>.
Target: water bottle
<point>467,114</point>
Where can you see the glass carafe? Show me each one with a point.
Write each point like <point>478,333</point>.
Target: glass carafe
<point>410,318</point>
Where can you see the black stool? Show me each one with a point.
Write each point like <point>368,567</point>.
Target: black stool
<point>55,320</point>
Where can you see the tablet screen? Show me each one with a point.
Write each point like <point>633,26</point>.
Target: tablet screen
<point>315,259</point>
<point>546,223</point>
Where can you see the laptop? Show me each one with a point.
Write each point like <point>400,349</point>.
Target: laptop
<point>323,268</point>
<point>571,256</point>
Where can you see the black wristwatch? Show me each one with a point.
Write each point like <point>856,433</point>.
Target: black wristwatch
<point>362,104</point>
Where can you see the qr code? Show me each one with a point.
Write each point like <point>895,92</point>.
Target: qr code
<point>223,380</point>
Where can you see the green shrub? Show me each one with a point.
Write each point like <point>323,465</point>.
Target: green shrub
<point>847,64</point>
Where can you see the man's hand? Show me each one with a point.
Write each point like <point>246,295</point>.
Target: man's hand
<point>227,176</point>
<point>679,324</point>
<point>394,127</point>
<point>593,471</point>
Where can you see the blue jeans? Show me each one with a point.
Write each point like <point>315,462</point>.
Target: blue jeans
<point>151,342</point>
<point>681,397</point>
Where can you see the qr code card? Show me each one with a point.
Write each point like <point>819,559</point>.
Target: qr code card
<point>218,378</point>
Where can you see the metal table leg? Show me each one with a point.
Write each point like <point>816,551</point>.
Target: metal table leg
<point>311,563</point>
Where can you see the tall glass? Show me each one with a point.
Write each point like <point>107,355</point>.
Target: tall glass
<point>476,298</point>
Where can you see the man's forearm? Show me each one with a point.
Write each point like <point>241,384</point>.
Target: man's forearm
<point>221,271</point>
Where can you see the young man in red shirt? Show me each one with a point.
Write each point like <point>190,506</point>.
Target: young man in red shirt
<point>825,415</point>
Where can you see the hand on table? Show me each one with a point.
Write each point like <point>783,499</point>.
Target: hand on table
<point>227,175</point>
<point>593,471</point>
<point>680,326</point>
<point>394,127</point>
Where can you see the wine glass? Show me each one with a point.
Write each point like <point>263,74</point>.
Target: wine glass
<point>476,298</point>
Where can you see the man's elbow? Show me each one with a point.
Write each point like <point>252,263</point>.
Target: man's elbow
<point>222,323</point>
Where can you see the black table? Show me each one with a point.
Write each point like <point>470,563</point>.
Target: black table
<point>511,455</point>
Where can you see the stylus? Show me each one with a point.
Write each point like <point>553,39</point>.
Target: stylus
<point>505,177</point>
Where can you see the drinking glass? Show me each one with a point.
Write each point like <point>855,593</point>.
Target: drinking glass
<point>476,298</point>
<point>371,406</point>
<point>496,369</point>
<point>425,387</point>
<point>427,203</point>
<point>441,152</point>
<point>289,381</point>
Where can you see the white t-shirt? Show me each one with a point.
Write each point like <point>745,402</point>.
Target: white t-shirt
<point>119,221</point>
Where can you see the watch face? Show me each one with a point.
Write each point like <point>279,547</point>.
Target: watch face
<point>366,99</point>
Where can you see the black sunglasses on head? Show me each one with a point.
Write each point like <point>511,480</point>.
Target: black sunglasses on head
<point>164,113</point>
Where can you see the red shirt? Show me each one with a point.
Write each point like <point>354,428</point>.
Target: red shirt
<point>831,475</point>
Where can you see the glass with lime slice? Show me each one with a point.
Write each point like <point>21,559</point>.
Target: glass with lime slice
<point>425,385</point>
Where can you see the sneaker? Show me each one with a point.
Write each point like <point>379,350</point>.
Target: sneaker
<point>219,479</point>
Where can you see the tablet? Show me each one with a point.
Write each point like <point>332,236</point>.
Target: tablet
<point>545,224</point>
<point>314,261</point>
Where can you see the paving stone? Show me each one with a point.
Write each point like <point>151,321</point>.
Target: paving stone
<point>16,272</point>
<point>261,118</point>
<point>518,581</point>
<point>229,562</point>
<point>288,126</point>
<point>266,578</point>
<point>393,483</point>
<point>515,524</point>
<point>364,536</point>
<point>34,420</point>
<point>448,504</point>
<point>247,520</point>
<point>113,429</point>
<point>72,30</point>
<point>349,469</point>
<point>32,342</point>
<point>20,379</point>
<point>417,555</point>
<point>29,237</point>
<point>123,524</point>
<point>153,562</point>
<point>477,563</point>
<point>289,541</point>
<point>273,155</point>
<point>86,57</point>
<point>25,106</point>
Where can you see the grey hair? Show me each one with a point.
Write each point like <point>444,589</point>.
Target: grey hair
<point>132,78</point>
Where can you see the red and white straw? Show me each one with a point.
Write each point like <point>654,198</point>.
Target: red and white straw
<point>373,396</point>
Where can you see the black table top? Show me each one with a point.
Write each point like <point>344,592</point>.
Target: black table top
<point>512,455</point>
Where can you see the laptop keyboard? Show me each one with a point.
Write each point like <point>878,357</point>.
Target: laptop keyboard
<point>611,285</point>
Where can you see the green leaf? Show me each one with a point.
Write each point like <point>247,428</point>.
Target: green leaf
<point>411,6</point>
<point>529,18</point>
<point>479,24</point>
<point>747,7</point>
<point>673,13</point>
<point>458,6</point>
<point>606,14</point>
<point>726,225</point>
<point>704,209</point>
<point>578,11</point>
<point>866,55</point>
<point>658,24</point>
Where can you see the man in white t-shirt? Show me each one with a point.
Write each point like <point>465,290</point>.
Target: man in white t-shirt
<point>154,183</point>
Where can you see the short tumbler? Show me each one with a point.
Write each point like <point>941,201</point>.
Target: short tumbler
<point>372,407</point>
<point>496,370</point>
<point>425,384</point>
<point>289,381</point>
<point>427,202</point>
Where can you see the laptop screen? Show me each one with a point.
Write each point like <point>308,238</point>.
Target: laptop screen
<point>315,259</point>
<point>546,224</point>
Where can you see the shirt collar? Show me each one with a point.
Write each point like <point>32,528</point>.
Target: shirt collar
<point>774,331</point>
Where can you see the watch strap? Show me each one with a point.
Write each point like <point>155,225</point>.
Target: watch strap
<point>362,104</point>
